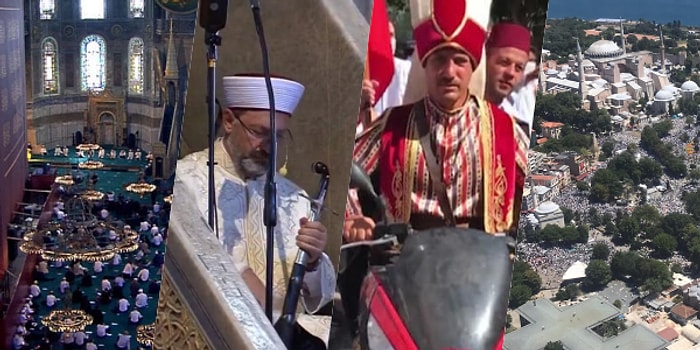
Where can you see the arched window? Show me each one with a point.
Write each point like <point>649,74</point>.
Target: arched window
<point>136,59</point>
<point>92,9</point>
<point>49,64</point>
<point>47,9</point>
<point>136,8</point>
<point>92,62</point>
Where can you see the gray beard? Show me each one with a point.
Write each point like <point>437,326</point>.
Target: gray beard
<point>251,168</point>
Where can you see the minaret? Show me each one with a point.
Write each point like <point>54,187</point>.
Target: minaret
<point>595,147</point>
<point>543,78</point>
<point>171,70</point>
<point>170,132</point>
<point>663,50</point>
<point>622,36</point>
<point>581,76</point>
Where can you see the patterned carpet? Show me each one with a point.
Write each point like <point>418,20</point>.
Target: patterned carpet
<point>107,181</point>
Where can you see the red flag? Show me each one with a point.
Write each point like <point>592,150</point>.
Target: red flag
<point>379,64</point>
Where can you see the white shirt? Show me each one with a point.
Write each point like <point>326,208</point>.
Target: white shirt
<point>124,341</point>
<point>97,267</point>
<point>34,290</point>
<point>79,338</point>
<point>128,269</point>
<point>90,346</point>
<point>106,285</point>
<point>236,197</point>
<point>144,275</point>
<point>101,330</point>
<point>123,305</point>
<point>521,101</point>
<point>104,213</point>
<point>119,281</point>
<point>135,316</point>
<point>145,226</point>
<point>141,300</point>
<point>64,285</point>
<point>117,259</point>
<point>157,240</point>
<point>154,230</point>
<point>50,300</point>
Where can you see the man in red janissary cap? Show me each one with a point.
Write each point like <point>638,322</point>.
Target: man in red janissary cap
<point>480,151</point>
<point>507,52</point>
<point>476,144</point>
<point>507,57</point>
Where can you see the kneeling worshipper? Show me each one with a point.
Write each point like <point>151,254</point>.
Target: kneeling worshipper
<point>241,158</point>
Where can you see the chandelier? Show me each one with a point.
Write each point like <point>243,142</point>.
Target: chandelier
<point>92,195</point>
<point>80,237</point>
<point>91,165</point>
<point>87,147</point>
<point>70,320</point>
<point>65,180</point>
<point>140,188</point>
<point>168,199</point>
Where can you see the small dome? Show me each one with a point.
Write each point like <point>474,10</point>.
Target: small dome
<point>663,96</point>
<point>603,49</point>
<point>690,86</point>
<point>541,189</point>
<point>547,207</point>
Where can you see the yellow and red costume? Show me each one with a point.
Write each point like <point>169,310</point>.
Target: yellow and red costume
<point>481,150</point>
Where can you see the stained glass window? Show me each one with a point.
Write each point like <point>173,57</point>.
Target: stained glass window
<point>47,9</point>
<point>49,54</point>
<point>92,9</point>
<point>136,60</point>
<point>136,8</point>
<point>92,64</point>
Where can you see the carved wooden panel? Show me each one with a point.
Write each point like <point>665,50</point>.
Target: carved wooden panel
<point>176,328</point>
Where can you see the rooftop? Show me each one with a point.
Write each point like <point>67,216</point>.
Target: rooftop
<point>572,326</point>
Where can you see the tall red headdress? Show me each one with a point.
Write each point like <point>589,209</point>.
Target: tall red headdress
<point>450,25</point>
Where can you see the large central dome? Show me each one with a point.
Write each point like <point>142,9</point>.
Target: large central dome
<point>603,49</point>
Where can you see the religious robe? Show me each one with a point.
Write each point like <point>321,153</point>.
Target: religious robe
<point>482,153</point>
<point>242,232</point>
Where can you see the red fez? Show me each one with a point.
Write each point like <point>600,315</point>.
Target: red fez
<point>449,26</point>
<point>509,35</point>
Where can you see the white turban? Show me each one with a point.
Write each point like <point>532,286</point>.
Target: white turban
<point>250,92</point>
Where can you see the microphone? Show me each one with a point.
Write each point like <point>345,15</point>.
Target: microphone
<point>213,15</point>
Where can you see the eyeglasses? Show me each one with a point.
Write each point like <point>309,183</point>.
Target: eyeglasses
<point>258,135</point>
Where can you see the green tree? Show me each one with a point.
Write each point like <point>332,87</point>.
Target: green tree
<point>598,274</point>
<point>664,245</point>
<point>601,251</point>
<point>519,295</point>
<point>554,345</point>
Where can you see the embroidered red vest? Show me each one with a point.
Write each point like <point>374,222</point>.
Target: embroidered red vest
<point>401,152</point>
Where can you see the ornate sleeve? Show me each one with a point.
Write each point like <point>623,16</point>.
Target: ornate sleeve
<point>319,286</point>
<point>366,155</point>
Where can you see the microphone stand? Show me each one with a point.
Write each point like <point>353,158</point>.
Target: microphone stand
<point>212,39</point>
<point>270,201</point>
